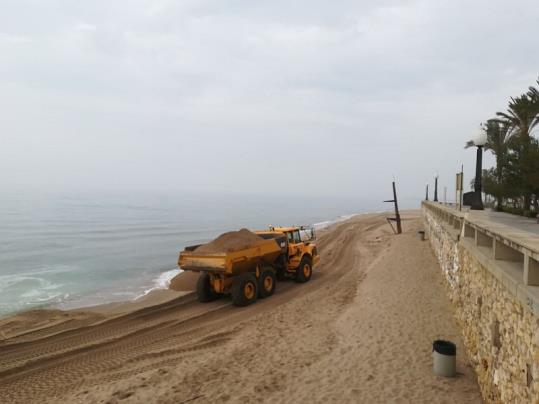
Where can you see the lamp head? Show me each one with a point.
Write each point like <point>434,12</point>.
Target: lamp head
<point>480,139</point>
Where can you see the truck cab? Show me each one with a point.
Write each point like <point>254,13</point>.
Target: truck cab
<point>300,252</point>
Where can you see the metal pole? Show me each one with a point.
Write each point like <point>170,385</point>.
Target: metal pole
<point>397,214</point>
<point>436,189</point>
<point>397,217</point>
<point>427,194</point>
<point>461,186</point>
<point>478,200</point>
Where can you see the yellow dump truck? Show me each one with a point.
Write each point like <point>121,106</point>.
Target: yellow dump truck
<point>251,273</point>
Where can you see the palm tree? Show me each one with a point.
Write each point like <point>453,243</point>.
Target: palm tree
<point>498,135</point>
<point>522,117</point>
<point>533,93</point>
<point>522,114</point>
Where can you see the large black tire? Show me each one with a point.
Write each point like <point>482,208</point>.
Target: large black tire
<point>244,289</point>
<point>266,283</point>
<point>205,292</point>
<point>305,270</point>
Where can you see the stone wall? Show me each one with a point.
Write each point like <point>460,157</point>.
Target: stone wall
<point>499,327</point>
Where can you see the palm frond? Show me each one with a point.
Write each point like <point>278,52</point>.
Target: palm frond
<point>469,143</point>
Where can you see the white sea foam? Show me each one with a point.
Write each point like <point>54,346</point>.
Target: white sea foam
<point>20,291</point>
<point>162,281</point>
<point>327,223</point>
<point>27,286</point>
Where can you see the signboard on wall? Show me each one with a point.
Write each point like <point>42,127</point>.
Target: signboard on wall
<point>460,188</point>
<point>459,181</point>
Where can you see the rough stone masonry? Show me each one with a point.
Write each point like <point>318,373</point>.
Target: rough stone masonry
<point>501,333</point>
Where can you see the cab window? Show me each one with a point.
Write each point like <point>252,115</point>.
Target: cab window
<point>297,237</point>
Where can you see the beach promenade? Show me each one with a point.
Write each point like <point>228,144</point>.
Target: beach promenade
<point>360,331</point>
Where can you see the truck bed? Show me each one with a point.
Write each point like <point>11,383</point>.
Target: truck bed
<point>232,263</point>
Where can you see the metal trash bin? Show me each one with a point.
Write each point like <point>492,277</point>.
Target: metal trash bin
<point>444,356</point>
<point>421,235</point>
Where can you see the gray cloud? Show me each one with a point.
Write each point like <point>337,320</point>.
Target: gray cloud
<point>252,96</point>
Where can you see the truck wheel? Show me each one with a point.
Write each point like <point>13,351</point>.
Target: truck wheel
<point>304,271</point>
<point>266,283</point>
<point>244,289</point>
<point>205,292</point>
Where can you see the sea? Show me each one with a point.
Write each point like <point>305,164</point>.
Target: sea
<point>67,250</point>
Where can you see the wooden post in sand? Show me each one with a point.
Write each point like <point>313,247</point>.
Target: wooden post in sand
<point>397,217</point>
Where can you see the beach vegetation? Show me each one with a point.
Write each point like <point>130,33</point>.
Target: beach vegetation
<point>512,138</point>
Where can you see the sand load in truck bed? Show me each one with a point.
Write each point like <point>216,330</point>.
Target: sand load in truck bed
<point>230,242</point>
<point>232,253</point>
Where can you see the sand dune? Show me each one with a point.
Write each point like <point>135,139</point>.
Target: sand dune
<point>360,331</point>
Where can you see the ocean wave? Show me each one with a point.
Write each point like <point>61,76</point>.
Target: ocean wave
<point>162,281</point>
<point>19,292</point>
<point>327,223</point>
<point>12,282</point>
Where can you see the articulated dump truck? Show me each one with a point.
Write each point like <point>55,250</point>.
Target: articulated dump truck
<point>251,271</point>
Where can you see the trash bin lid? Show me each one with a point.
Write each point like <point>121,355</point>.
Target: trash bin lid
<point>444,347</point>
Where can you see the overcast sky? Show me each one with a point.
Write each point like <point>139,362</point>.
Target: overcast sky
<point>251,96</point>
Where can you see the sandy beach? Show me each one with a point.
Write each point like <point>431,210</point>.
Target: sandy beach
<point>360,331</point>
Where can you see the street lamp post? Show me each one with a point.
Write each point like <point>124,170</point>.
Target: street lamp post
<point>479,141</point>
<point>436,188</point>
